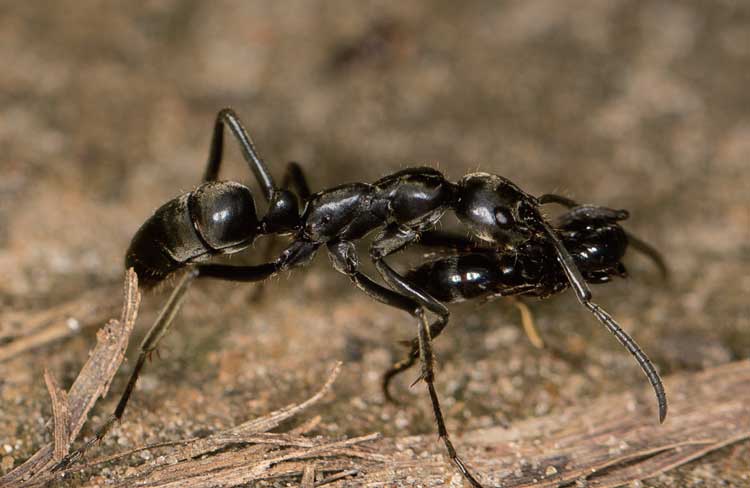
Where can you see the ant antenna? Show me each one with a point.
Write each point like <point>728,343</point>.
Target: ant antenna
<point>584,296</point>
<point>650,252</point>
<point>633,348</point>
<point>566,261</point>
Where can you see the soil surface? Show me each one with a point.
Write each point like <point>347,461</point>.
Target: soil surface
<point>106,112</point>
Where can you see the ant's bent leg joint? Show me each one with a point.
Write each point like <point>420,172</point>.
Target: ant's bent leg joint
<point>343,255</point>
<point>391,240</point>
<point>297,254</point>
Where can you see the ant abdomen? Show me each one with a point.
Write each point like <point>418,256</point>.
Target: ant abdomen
<point>215,218</point>
<point>223,213</point>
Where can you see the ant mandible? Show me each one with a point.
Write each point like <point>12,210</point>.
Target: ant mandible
<point>219,217</point>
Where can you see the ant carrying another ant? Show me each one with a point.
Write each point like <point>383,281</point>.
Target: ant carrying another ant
<point>523,253</point>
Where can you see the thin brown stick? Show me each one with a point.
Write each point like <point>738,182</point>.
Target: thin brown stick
<point>60,415</point>
<point>28,330</point>
<point>92,383</point>
<point>308,476</point>
<point>610,442</point>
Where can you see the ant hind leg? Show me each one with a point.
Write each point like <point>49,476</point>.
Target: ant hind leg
<point>166,318</point>
<point>229,118</point>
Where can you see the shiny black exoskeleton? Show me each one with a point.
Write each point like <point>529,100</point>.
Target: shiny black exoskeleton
<point>592,235</point>
<point>220,218</point>
<point>596,242</point>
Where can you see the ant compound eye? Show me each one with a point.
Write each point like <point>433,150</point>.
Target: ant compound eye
<point>503,217</point>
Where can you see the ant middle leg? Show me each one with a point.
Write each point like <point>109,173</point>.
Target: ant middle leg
<point>391,240</point>
<point>228,117</point>
<point>343,256</point>
<point>294,178</point>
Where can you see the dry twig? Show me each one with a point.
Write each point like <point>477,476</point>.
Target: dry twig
<point>26,330</point>
<point>92,382</point>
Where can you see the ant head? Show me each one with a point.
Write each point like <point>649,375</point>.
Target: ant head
<point>595,240</point>
<point>496,210</point>
<point>283,213</point>
<point>223,213</point>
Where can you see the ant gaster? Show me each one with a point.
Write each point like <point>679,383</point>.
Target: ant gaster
<point>220,218</point>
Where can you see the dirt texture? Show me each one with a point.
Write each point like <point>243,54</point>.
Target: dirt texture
<point>106,112</point>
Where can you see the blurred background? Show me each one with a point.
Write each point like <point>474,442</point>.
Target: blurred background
<point>106,112</point>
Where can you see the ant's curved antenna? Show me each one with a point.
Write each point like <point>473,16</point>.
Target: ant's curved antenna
<point>650,252</point>
<point>633,348</point>
<point>568,265</point>
<point>584,296</point>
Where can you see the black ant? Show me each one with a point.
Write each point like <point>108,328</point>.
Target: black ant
<point>219,217</point>
<point>591,234</point>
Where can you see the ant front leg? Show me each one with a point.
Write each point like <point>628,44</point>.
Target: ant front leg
<point>344,258</point>
<point>442,240</point>
<point>391,240</point>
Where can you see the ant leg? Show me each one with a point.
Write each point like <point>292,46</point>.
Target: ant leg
<point>426,356</point>
<point>395,370</point>
<point>432,238</point>
<point>228,117</point>
<point>343,256</point>
<point>150,342</point>
<point>637,243</point>
<point>295,255</point>
<point>405,364</point>
<point>294,178</point>
<point>389,241</point>
<point>527,319</point>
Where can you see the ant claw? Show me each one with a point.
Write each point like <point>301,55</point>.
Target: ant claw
<point>419,378</point>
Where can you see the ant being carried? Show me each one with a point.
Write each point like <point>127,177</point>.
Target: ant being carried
<point>525,254</point>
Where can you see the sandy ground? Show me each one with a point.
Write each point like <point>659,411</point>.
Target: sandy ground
<point>106,112</point>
